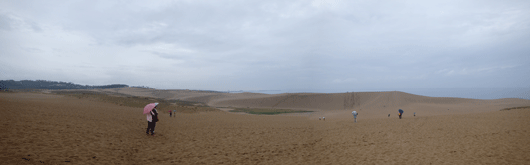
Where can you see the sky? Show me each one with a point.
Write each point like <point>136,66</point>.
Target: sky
<point>319,45</point>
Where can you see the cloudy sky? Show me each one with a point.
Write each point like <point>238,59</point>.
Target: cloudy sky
<point>320,45</point>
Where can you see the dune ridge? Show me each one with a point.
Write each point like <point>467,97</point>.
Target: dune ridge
<point>370,104</point>
<point>375,104</point>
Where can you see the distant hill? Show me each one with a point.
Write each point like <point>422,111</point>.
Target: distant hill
<point>44,84</point>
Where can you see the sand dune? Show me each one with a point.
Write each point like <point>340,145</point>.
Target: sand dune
<point>52,129</point>
<point>187,95</point>
<point>374,104</point>
<point>366,102</point>
<point>336,105</point>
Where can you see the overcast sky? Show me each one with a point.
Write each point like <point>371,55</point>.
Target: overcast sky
<point>328,45</point>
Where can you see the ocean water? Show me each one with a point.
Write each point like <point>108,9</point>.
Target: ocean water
<point>473,93</point>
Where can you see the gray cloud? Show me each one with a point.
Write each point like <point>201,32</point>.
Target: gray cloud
<point>5,22</point>
<point>252,45</point>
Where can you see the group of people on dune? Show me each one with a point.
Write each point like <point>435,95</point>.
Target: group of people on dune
<point>400,113</point>
<point>152,116</point>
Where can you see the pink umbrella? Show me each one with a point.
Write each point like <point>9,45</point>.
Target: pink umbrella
<point>149,107</point>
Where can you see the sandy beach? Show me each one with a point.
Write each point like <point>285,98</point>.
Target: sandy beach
<point>42,128</point>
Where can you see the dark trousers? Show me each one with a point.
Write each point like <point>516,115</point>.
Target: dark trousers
<point>150,127</point>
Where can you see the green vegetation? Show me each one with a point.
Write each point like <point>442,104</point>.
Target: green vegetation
<point>139,102</point>
<point>262,111</point>
<point>44,84</point>
<point>507,109</point>
<point>130,101</point>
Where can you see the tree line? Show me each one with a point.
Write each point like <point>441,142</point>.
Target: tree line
<point>45,84</point>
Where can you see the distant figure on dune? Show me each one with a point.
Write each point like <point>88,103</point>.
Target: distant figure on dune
<point>174,113</point>
<point>152,117</point>
<point>354,113</point>
<point>414,113</point>
<point>319,118</point>
<point>389,115</point>
<point>324,118</point>
<point>400,113</point>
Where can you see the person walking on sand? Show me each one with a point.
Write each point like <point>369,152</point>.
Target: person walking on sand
<point>174,113</point>
<point>354,113</point>
<point>400,113</point>
<point>152,118</point>
<point>170,113</point>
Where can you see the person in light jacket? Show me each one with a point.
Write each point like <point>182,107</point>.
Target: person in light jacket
<point>354,113</point>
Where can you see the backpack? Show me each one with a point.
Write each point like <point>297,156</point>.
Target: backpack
<point>155,116</point>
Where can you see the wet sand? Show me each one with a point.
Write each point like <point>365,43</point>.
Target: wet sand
<point>51,129</point>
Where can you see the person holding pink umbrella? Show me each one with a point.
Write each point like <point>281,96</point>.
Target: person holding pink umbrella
<point>152,117</point>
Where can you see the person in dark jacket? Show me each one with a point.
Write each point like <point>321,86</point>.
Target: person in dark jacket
<point>152,118</point>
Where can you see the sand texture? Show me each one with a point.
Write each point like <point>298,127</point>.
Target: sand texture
<point>53,129</point>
